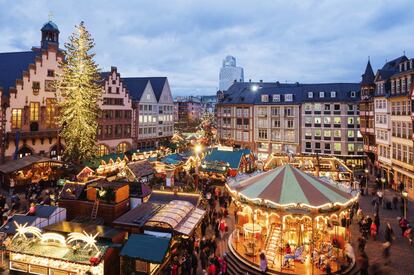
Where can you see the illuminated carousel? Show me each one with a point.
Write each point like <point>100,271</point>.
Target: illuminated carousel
<point>294,218</point>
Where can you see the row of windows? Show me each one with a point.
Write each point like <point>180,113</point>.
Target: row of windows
<point>277,98</point>
<point>384,151</point>
<point>118,130</point>
<point>329,133</point>
<point>380,104</point>
<point>113,101</point>
<point>153,130</point>
<point>328,120</point>
<point>400,85</point>
<point>151,108</point>
<point>110,89</point>
<point>382,135</point>
<point>402,129</point>
<point>336,146</point>
<point>402,153</point>
<point>121,148</point>
<point>401,107</point>
<point>117,114</point>
<point>275,111</point>
<point>381,119</point>
<point>34,114</point>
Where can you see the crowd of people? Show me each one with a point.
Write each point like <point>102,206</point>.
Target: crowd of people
<point>205,250</point>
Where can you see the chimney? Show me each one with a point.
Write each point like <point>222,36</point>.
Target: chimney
<point>250,80</point>
<point>261,80</point>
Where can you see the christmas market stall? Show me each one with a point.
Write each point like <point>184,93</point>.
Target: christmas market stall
<point>226,161</point>
<point>20,173</point>
<point>137,258</point>
<point>293,217</point>
<point>65,248</point>
<point>98,198</point>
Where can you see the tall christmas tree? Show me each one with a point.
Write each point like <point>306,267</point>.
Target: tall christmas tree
<point>79,91</point>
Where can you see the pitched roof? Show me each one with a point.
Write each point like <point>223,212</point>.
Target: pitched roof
<point>233,158</point>
<point>141,168</point>
<point>368,76</point>
<point>136,85</point>
<point>10,227</point>
<point>244,92</point>
<point>288,185</point>
<point>146,248</point>
<point>16,165</point>
<point>12,66</point>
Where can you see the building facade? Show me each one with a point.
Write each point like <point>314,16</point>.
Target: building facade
<point>115,122</point>
<point>366,109</point>
<point>275,118</point>
<point>401,124</point>
<point>139,115</point>
<point>188,109</point>
<point>153,114</point>
<point>230,73</point>
<point>330,122</point>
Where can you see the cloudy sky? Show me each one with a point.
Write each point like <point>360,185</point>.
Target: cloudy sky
<point>304,40</point>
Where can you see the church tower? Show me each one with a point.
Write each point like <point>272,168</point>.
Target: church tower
<point>50,35</point>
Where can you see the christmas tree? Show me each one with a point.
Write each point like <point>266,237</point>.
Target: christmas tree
<point>79,91</point>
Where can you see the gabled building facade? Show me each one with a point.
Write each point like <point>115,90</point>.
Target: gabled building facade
<point>367,118</point>
<point>115,122</point>
<point>153,110</point>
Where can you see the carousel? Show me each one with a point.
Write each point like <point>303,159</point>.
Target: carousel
<point>293,218</point>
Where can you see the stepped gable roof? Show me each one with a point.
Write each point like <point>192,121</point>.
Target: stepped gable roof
<point>136,85</point>
<point>12,66</point>
<point>245,93</point>
<point>287,185</point>
<point>368,76</point>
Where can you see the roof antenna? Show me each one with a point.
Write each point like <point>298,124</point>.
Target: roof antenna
<point>369,58</point>
<point>404,53</point>
<point>50,15</point>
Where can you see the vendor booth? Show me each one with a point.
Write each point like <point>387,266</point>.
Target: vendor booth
<point>293,217</point>
<point>29,170</point>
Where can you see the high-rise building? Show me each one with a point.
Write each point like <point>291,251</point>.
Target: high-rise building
<point>229,73</point>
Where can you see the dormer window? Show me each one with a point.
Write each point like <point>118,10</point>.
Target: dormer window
<point>333,94</point>
<point>276,98</point>
<point>353,94</point>
<point>310,94</point>
<point>289,97</point>
<point>321,94</point>
<point>265,98</point>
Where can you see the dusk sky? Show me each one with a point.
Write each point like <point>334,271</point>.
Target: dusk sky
<point>304,41</point>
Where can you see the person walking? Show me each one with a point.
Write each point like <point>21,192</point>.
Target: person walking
<point>263,263</point>
<point>389,233</point>
<point>409,234</point>
<point>374,231</point>
<point>194,262</point>
<point>377,222</point>
<point>403,225</point>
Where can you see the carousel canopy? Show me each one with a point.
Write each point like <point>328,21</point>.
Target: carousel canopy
<point>288,185</point>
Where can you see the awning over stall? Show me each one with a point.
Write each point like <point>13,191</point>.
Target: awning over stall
<point>146,248</point>
<point>19,164</point>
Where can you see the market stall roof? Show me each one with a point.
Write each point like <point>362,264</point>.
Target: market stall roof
<point>146,248</point>
<point>45,211</point>
<point>72,191</point>
<point>287,185</point>
<point>174,159</point>
<point>10,227</point>
<point>182,216</point>
<point>232,158</point>
<point>139,215</point>
<point>65,227</point>
<point>165,197</point>
<point>141,168</point>
<point>19,164</point>
<point>108,184</point>
<point>95,163</point>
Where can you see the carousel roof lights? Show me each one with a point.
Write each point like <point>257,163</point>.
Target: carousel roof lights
<point>287,186</point>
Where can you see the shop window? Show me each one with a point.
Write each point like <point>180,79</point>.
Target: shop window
<point>122,147</point>
<point>102,150</point>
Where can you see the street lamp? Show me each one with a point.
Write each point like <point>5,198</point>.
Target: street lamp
<point>405,195</point>
<point>383,183</point>
<point>366,181</point>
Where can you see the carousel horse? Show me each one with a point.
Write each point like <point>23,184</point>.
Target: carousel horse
<point>297,256</point>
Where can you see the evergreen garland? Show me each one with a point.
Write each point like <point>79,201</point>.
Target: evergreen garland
<point>78,92</point>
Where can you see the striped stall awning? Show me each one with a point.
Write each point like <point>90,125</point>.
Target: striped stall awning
<point>288,185</point>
